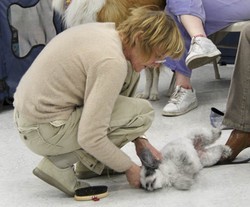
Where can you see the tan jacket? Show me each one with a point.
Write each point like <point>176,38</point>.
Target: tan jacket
<point>83,66</point>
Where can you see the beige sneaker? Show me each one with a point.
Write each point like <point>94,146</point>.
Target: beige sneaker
<point>82,172</point>
<point>63,179</point>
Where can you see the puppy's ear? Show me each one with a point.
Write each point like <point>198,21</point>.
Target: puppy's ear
<point>148,159</point>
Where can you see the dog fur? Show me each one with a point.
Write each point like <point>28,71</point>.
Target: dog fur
<point>182,160</point>
<point>85,11</point>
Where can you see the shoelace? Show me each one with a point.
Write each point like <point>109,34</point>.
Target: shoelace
<point>194,43</point>
<point>176,97</point>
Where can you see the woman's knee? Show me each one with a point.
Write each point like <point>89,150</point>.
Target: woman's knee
<point>146,112</point>
<point>132,112</point>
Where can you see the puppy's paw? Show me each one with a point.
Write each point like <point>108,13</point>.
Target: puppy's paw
<point>226,152</point>
<point>153,97</point>
<point>142,95</point>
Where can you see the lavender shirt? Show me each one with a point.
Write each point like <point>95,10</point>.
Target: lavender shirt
<point>215,14</point>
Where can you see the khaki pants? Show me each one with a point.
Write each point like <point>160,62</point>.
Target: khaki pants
<point>237,114</point>
<point>130,118</point>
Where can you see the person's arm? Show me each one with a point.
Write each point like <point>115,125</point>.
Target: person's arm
<point>102,91</point>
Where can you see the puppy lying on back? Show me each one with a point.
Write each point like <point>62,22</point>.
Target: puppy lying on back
<point>182,160</point>
<point>76,12</point>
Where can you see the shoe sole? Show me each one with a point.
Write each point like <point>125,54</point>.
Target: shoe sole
<point>48,179</point>
<point>200,60</point>
<point>191,107</point>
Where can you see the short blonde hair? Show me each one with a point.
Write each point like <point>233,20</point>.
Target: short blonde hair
<point>159,32</point>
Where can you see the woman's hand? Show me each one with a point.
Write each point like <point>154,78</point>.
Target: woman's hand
<point>133,175</point>
<point>141,144</point>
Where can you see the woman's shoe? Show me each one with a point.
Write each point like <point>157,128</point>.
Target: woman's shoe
<point>238,141</point>
<point>202,51</point>
<point>63,179</point>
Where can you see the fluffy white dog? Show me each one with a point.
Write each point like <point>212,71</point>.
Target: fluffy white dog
<point>182,160</point>
<point>76,12</point>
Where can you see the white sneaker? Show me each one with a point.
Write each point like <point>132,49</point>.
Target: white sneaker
<point>181,101</point>
<point>202,51</point>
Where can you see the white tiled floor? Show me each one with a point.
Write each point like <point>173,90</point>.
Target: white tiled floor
<point>222,186</point>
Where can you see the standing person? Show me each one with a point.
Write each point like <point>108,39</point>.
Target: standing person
<point>237,115</point>
<point>75,102</point>
<point>196,20</point>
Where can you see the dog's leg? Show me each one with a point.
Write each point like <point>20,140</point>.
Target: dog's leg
<point>204,137</point>
<point>149,77</point>
<point>154,93</point>
<point>212,155</point>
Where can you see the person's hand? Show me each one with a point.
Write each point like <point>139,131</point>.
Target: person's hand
<point>133,175</point>
<point>141,143</point>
